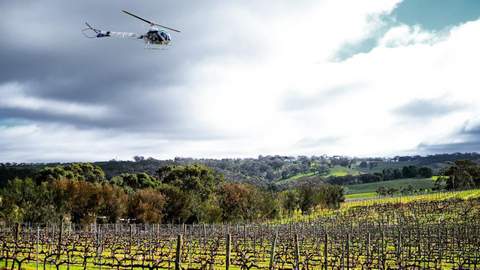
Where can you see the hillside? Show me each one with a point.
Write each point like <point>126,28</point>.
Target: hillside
<point>416,183</point>
<point>279,171</point>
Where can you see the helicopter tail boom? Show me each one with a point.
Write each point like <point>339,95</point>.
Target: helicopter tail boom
<point>91,32</point>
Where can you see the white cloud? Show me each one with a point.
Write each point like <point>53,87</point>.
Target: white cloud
<point>404,35</point>
<point>276,53</point>
<point>14,96</point>
<point>408,64</point>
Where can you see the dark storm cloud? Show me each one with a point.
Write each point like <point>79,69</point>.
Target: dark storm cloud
<point>467,139</point>
<point>42,49</point>
<point>461,147</point>
<point>427,108</point>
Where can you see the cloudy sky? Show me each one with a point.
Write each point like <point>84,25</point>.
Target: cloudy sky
<point>244,78</point>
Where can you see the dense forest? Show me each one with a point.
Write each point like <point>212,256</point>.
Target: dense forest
<point>81,193</point>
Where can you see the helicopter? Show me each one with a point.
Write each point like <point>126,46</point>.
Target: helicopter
<point>154,37</point>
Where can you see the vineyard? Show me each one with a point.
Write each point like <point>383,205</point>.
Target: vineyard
<point>424,234</point>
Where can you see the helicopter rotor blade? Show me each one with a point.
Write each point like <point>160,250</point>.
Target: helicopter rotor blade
<point>149,22</point>
<point>168,28</point>
<point>89,26</point>
<point>140,18</point>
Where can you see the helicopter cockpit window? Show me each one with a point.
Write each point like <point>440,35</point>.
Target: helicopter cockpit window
<point>165,36</point>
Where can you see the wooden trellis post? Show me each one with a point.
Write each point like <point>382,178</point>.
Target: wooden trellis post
<point>99,246</point>
<point>348,250</point>
<point>59,247</point>
<point>272,252</point>
<point>399,249</point>
<point>178,255</point>
<point>368,247</point>
<point>297,253</point>
<point>325,251</point>
<point>37,246</point>
<point>229,249</point>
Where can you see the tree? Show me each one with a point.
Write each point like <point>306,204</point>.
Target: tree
<point>76,171</point>
<point>200,179</point>
<point>135,181</point>
<point>407,190</point>
<point>22,201</point>
<point>87,172</point>
<point>179,205</point>
<point>331,195</point>
<point>322,170</point>
<point>238,202</point>
<point>462,174</point>
<point>189,189</point>
<point>269,205</point>
<point>391,191</point>
<point>290,201</point>
<point>409,171</point>
<point>397,174</point>
<point>388,174</point>
<point>311,196</point>
<point>113,203</point>
<point>49,174</point>
<point>138,158</point>
<point>308,199</point>
<point>425,172</point>
<point>147,206</point>
<point>83,202</point>
<point>382,191</point>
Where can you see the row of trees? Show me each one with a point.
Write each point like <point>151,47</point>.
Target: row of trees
<point>390,191</point>
<point>80,193</point>
<point>462,174</point>
<point>410,171</point>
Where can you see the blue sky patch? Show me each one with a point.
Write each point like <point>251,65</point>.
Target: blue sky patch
<point>437,14</point>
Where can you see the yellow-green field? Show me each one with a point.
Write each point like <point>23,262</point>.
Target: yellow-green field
<point>371,199</point>
<point>359,222</point>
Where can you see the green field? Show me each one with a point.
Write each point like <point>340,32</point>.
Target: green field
<point>342,171</point>
<point>417,183</point>
<point>366,195</point>
<point>334,171</point>
<point>295,178</point>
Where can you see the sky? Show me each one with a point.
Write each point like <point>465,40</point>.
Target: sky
<point>244,78</point>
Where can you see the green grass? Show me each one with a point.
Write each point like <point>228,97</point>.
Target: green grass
<point>300,175</point>
<point>334,171</point>
<point>356,196</point>
<point>417,183</point>
<point>295,178</point>
<point>342,171</point>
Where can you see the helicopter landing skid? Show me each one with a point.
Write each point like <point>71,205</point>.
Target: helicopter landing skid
<point>150,46</point>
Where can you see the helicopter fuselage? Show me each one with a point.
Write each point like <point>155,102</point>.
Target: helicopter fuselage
<point>157,37</point>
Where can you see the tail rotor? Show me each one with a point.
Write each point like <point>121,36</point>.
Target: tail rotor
<point>91,32</point>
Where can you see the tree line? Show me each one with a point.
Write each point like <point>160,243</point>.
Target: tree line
<point>81,193</point>
<point>409,171</point>
<point>461,174</point>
